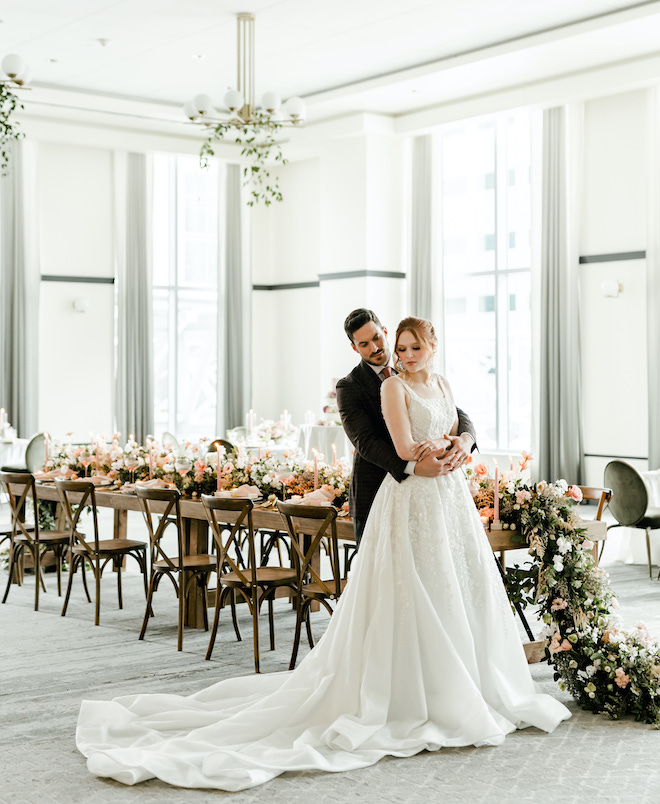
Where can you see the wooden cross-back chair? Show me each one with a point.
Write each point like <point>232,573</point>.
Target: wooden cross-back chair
<point>175,567</point>
<point>599,495</point>
<point>74,496</point>
<point>231,522</point>
<point>20,488</point>
<point>309,528</point>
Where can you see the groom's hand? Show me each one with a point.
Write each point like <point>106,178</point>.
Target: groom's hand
<point>458,451</point>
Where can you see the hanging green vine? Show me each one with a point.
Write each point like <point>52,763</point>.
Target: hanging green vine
<point>260,148</point>
<point>9,130</point>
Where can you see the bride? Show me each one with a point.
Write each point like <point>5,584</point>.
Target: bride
<point>421,653</point>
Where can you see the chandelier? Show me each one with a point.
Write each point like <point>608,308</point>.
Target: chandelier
<point>240,106</point>
<point>17,75</point>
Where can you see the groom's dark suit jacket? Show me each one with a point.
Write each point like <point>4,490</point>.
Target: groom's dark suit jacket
<point>358,399</point>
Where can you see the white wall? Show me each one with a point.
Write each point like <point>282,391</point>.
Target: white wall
<point>613,330</point>
<point>76,350</point>
<point>343,212</point>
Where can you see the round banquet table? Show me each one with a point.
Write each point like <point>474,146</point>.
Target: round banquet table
<point>321,438</point>
<point>12,451</point>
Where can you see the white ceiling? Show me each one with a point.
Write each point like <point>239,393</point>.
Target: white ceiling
<point>384,56</point>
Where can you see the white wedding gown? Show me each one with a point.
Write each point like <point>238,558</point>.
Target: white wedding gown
<point>422,652</point>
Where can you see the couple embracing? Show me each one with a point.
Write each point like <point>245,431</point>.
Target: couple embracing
<point>422,651</point>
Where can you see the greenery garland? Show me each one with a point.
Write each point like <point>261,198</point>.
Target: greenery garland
<point>260,147</point>
<point>605,668</point>
<point>9,129</point>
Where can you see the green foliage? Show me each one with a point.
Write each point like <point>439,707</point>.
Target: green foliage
<point>9,129</point>
<point>605,668</point>
<point>260,148</point>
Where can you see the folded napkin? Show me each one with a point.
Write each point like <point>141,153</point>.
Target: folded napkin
<point>156,483</point>
<point>244,491</point>
<point>318,497</point>
<point>59,472</point>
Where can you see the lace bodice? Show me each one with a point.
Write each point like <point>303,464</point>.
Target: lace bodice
<point>429,418</point>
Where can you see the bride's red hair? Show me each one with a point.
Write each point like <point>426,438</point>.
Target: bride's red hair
<point>420,328</point>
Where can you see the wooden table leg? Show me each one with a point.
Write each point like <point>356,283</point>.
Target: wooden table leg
<point>120,532</point>
<point>195,543</point>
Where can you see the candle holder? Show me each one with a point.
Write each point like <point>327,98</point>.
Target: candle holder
<point>496,525</point>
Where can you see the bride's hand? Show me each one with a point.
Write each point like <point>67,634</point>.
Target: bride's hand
<point>423,449</point>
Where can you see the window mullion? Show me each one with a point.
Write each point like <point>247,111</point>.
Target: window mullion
<point>501,285</point>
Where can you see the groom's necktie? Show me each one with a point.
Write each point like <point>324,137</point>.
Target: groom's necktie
<point>386,372</point>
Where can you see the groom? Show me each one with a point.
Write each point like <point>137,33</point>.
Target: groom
<point>358,399</point>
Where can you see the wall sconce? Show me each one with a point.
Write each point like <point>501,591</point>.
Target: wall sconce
<point>611,288</point>
<point>81,305</point>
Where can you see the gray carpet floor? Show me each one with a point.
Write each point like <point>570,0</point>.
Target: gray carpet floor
<point>48,664</point>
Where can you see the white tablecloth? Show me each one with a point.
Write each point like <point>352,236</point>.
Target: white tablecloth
<point>652,480</point>
<point>12,452</point>
<point>321,438</point>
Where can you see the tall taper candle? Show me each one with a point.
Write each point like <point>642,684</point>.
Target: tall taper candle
<point>496,496</point>
<point>316,470</point>
<point>334,454</point>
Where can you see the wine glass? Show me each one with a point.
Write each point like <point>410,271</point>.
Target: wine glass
<point>131,463</point>
<point>183,465</point>
<point>86,458</point>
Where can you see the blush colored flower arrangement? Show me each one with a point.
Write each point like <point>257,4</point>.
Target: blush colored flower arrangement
<point>606,668</point>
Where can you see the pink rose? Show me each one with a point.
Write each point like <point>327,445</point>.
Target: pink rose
<point>621,680</point>
<point>587,544</point>
<point>575,493</point>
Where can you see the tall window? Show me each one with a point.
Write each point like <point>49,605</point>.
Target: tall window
<point>486,236</point>
<point>185,280</point>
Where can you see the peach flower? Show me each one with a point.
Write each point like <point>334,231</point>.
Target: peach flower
<point>621,680</point>
<point>575,493</point>
<point>481,469</point>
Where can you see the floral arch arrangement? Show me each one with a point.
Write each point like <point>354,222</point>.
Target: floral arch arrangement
<point>606,668</point>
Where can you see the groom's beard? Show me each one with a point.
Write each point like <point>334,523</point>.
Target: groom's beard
<point>376,359</point>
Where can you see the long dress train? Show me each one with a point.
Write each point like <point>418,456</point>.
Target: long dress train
<point>422,652</point>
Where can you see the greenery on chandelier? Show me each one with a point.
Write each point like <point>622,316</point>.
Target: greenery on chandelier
<point>259,148</point>
<point>9,129</point>
<point>606,668</point>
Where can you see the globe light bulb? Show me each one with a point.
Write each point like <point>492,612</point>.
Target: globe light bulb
<point>202,104</point>
<point>270,102</point>
<point>13,65</point>
<point>295,108</point>
<point>234,100</point>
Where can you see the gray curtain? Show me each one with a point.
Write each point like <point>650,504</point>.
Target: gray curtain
<point>19,290</point>
<point>421,256</point>
<point>653,359</point>
<point>134,398</point>
<point>560,431</point>
<point>234,308</point>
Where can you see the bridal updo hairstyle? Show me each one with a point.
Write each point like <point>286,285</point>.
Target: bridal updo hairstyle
<point>422,330</point>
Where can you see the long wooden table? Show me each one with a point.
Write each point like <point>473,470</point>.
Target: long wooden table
<point>196,537</point>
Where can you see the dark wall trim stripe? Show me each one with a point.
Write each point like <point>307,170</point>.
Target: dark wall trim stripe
<point>620,257</point>
<point>361,274</point>
<point>330,278</point>
<point>619,457</point>
<point>93,280</point>
<point>287,286</point>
